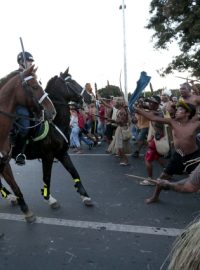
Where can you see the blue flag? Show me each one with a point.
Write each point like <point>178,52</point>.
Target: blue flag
<point>141,84</point>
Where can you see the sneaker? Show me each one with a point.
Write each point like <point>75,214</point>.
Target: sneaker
<point>124,164</point>
<point>20,159</point>
<point>79,152</point>
<point>146,182</point>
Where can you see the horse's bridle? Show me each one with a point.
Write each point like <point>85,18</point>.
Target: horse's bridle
<point>66,81</point>
<point>26,86</point>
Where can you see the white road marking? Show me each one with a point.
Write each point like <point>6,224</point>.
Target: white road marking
<point>96,225</point>
<point>95,155</point>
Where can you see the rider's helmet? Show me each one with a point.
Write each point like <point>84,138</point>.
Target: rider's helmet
<point>28,58</point>
<point>73,105</point>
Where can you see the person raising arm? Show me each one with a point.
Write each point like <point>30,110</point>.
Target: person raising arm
<point>186,156</point>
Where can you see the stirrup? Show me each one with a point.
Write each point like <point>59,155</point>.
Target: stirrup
<point>20,159</point>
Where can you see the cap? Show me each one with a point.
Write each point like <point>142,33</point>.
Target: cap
<point>188,107</point>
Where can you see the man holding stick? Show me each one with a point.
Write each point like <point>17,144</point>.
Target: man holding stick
<point>187,185</point>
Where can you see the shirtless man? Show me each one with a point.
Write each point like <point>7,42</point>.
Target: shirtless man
<point>187,96</point>
<point>187,154</point>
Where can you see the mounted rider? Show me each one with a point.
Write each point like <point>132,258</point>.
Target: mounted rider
<point>25,60</point>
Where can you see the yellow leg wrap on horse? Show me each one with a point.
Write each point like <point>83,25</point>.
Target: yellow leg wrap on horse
<point>45,194</point>
<point>77,180</point>
<point>3,193</point>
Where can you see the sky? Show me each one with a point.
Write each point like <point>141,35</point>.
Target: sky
<point>87,37</point>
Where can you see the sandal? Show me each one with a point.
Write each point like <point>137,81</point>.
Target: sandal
<point>123,164</point>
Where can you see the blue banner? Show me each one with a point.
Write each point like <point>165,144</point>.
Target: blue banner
<point>141,84</point>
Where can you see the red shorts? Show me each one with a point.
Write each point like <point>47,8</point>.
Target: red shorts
<point>151,153</point>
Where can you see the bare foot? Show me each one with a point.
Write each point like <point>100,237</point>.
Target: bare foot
<point>151,200</point>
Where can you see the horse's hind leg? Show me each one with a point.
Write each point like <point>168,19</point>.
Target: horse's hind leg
<point>5,193</point>
<point>9,178</point>
<point>69,166</point>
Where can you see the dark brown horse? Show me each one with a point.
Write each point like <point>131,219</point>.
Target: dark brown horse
<point>22,88</point>
<point>55,143</point>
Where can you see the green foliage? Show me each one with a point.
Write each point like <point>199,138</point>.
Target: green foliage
<point>110,90</point>
<point>177,20</point>
<point>175,92</point>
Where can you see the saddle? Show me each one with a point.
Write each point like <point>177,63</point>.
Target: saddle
<point>35,134</point>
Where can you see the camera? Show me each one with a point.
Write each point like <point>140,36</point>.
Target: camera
<point>141,103</point>
<point>157,135</point>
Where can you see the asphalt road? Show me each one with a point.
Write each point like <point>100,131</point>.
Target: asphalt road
<point>119,232</point>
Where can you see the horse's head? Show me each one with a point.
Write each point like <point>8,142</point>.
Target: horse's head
<point>73,89</point>
<point>36,98</point>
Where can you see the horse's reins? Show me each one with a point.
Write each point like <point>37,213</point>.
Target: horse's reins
<point>60,131</point>
<point>66,104</point>
<point>18,116</point>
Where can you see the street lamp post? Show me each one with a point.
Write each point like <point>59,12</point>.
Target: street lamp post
<point>123,6</point>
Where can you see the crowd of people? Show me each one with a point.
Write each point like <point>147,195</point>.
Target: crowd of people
<point>165,127</point>
<point>100,120</point>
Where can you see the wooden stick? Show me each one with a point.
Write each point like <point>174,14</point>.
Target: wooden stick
<point>136,176</point>
<point>139,177</point>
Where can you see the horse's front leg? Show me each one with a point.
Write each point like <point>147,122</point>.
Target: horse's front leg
<point>47,169</point>
<point>69,166</point>
<point>9,178</point>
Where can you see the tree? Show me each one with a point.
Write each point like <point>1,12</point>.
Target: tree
<point>110,90</point>
<point>177,20</point>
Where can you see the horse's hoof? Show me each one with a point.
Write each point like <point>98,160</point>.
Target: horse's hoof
<point>87,201</point>
<point>12,199</point>
<point>30,217</point>
<point>55,205</point>
<point>14,203</point>
<point>53,202</point>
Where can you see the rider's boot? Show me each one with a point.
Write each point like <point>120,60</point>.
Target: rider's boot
<point>21,145</point>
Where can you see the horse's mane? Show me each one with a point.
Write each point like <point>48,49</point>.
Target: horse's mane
<point>8,77</point>
<point>51,82</point>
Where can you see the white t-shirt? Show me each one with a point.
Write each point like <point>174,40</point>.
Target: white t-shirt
<point>74,121</point>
